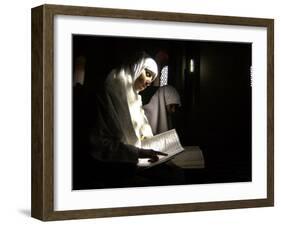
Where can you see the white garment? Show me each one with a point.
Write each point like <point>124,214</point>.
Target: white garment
<point>156,111</point>
<point>125,102</point>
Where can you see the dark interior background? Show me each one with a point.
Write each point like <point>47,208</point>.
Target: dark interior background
<point>216,97</point>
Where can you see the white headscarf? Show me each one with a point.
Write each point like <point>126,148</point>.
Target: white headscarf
<point>125,102</point>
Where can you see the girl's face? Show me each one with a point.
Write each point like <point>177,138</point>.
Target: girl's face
<point>144,80</point>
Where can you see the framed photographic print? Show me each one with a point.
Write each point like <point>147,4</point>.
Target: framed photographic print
<point>141,112</point>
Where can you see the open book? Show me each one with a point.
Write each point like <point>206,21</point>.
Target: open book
<point>167,142</point>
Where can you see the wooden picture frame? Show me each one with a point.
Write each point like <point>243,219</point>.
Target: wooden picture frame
<point>42,205</point>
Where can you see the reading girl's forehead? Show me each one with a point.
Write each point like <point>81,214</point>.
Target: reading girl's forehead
<point>148,70</point>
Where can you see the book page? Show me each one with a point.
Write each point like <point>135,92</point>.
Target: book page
<point>167,142</point>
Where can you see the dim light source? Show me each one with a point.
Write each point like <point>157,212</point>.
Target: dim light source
<point>191,65</point>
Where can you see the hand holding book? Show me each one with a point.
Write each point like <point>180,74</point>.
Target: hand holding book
<point>152,155</point>
<point>160,149</point>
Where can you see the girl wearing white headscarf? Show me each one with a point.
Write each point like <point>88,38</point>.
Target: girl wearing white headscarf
<point>122,123</point>
<point>123,86</point>
<point>118,125</point>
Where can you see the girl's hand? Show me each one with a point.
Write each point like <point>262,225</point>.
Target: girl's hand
<point>151,154</point>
